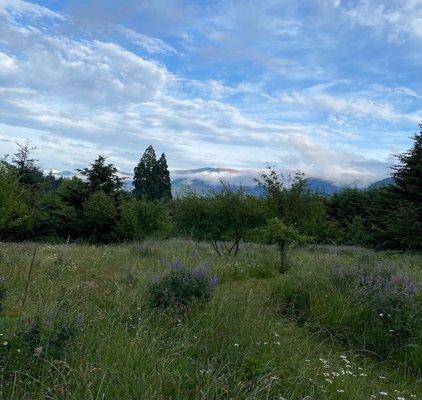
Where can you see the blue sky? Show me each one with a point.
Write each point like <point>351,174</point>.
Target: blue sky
<point>328,87</point>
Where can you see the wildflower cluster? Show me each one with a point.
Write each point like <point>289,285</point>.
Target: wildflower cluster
<point>375,307</point>
<point>336,379</point>
<point>180,286</point>
<point>386,304</point>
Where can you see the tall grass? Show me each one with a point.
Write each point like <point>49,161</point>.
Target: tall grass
<point>235,346</point>
<point>372,305</point>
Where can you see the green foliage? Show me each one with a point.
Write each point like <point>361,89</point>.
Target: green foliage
<point>408,173</point>
<point>102,177</point>
<point>181,286</point>
<point>100,215</point>
<point>290,200</point>
<point>349,210</point>
<point>226,215</point>
<point>18,213</point>
<point>34,207</point>
<point>142,218</point>
<point>25,167</point>
<point>151,177</point>
<point>72,194</point>
<point>163,173</point>
<point>35,343</point>
<point>276,232</point>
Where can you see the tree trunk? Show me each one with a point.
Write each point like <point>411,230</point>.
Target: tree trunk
<point>215,246</point>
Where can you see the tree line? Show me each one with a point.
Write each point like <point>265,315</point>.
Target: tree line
<point>94,207</point>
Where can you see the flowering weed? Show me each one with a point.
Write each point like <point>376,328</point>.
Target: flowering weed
<point>180,286</point>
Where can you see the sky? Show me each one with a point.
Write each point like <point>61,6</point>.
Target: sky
<point>332,88</point>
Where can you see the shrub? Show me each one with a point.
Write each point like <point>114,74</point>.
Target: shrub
<point>181,286</point>
<point>142,218</point>
<point>2,292</point>
<point>100,215</point>
<point>375,308</point>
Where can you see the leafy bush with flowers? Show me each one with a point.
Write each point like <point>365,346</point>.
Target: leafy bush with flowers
<point>181,286</point>
<point>374,308</point>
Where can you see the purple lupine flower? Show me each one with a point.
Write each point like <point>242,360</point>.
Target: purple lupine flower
<point>404,286</point>
<point>176,265</point>
<point>79,319</point>
<point>214,281</point>
<point>200,272</point>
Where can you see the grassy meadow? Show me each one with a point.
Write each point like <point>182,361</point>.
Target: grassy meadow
<point>79,325</point>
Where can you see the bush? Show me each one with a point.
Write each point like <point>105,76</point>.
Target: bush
<point>100,215</point>
<point>181,286</point>
<point>377,309</point>
<point>142,218</point>
<point>2,292</point>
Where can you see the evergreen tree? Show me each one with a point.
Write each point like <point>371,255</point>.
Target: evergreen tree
<point>164,175</point>
<point>147,179</point>
<point>102,177</point>
<point>29,174</point>
<point>408,174</point>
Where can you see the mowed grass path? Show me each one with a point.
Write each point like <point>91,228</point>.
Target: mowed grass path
<point>235,347</point>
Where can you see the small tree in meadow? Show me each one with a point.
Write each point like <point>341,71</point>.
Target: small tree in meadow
<point>276,232</point>
<point>289,198</point>
<point>220,217</point>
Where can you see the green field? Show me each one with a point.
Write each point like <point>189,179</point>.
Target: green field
<point>92,302</point>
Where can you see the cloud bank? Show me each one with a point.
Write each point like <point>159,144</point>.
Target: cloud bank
<point>330,89</point>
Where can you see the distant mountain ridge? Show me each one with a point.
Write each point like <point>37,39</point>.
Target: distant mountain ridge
<point>203,180</point>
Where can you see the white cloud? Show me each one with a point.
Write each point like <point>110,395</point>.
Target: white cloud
<point>150,44</point>
<point>356,106</point>
<point>83,71</point>
<point>400,18</point>
<point>77,96</point>
<point>20,8</point>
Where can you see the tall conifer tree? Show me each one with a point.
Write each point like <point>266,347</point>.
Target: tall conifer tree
<point>152,178</point>
<point>164,174</point>
<point>145,182</point>
<point>408,174</point>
